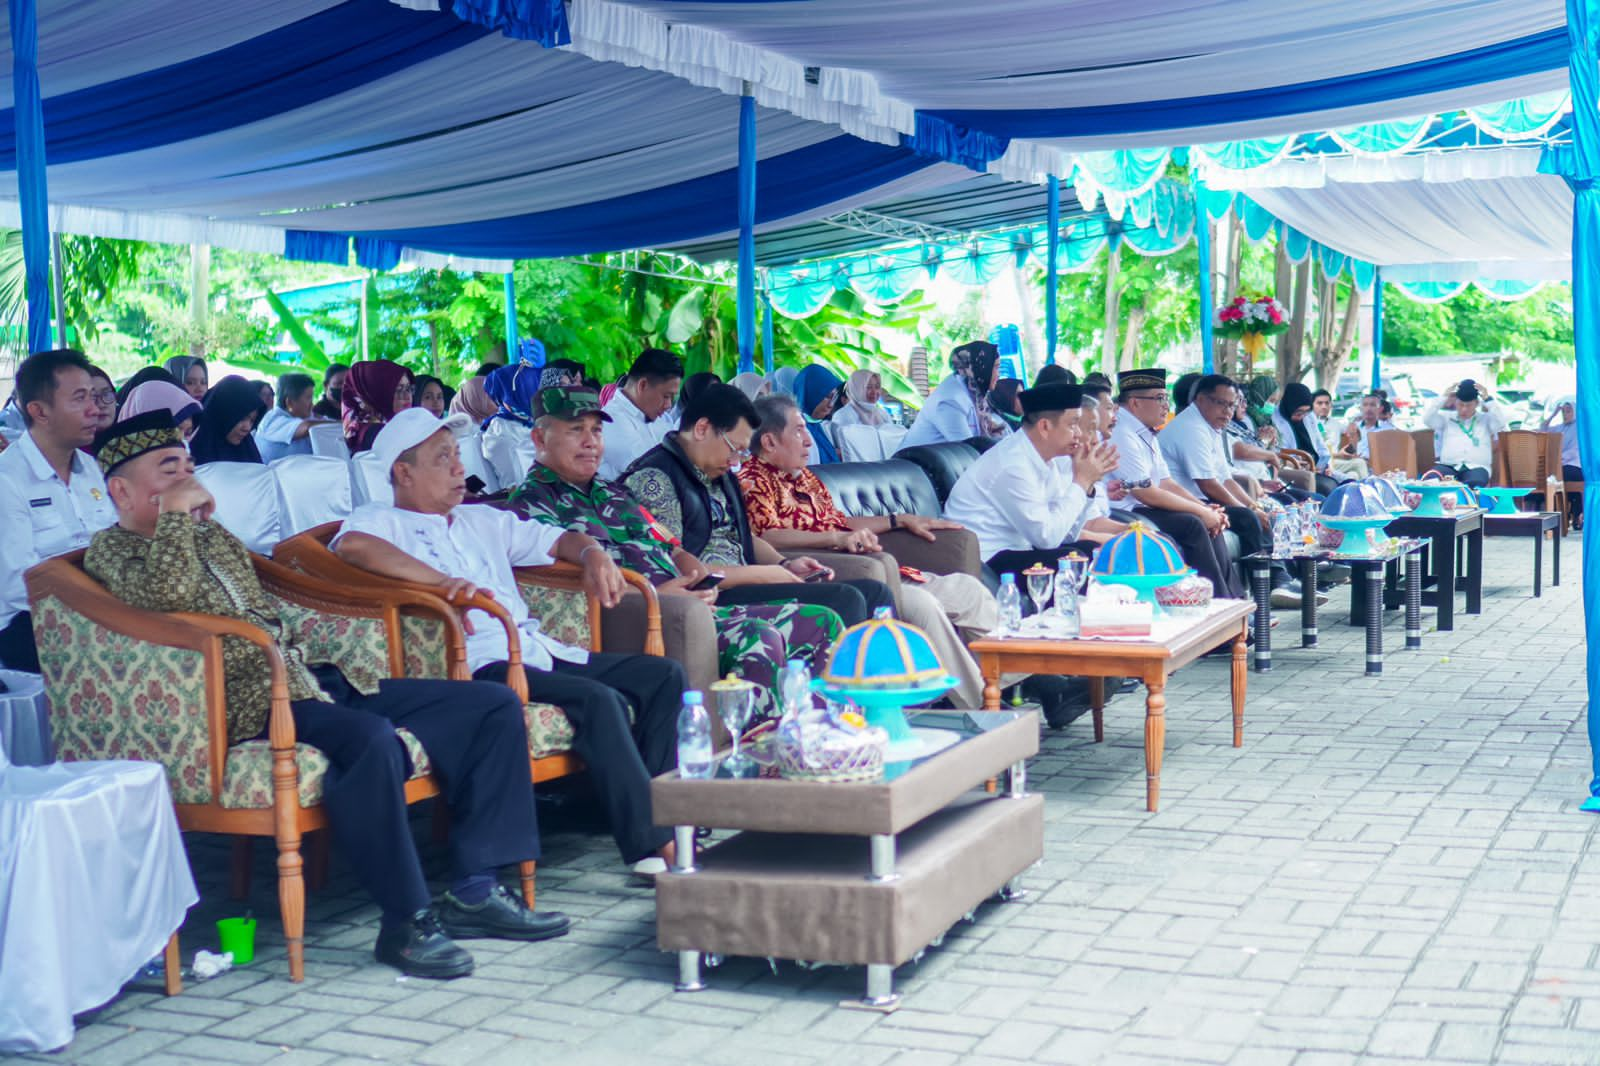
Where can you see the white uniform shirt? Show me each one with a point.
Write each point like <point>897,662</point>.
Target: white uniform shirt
<point>275,436</point>
<point>1465,444</point>
<point>1015,501</point>
<point>1363,449</point>
<point>480,544</point>
<point>42,516</point>
<point>1138,453</point>
<point>1194,452</point>
<point>949,415</point>
<point>628,435</point>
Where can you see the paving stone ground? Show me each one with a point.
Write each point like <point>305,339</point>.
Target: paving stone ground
<point>1388,871</point>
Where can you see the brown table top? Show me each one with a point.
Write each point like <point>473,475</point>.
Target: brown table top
<point>1183,646</point>
<point>991,741</point>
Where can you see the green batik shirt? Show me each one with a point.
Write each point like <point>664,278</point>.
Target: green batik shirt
<point>605,511</point>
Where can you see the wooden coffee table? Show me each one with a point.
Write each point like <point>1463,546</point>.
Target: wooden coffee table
<point>1150,661</point>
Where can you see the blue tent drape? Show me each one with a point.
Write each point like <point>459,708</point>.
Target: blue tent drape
<point>1052,262</point>
<point>747,233</point>
<point>1377,330</point>
<point>32,189</point>
<point>1580,165</point>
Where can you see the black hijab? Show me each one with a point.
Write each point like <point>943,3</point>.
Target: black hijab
<point>149,373</point>
<point>229,402</point>
<point>1296,396</point>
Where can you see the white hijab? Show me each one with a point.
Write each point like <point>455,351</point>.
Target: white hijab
<point>868,414</point>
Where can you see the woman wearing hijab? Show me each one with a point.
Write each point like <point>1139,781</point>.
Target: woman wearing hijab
<point>163,396</point>
<point>783,379</point>
<point>1298,428</point>
<point>751,384</point>
<point>230,412</point>
<point>473,401</point>
<point>508,433</point>
<point>817,390</point>
<point>862,391</point>
<point>190,372</point>
<point>147,374</point>
<point>374,392</point>
<point>959,408</point>
<point>1003,401</point>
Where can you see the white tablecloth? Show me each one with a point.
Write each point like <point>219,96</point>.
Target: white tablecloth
<point>93,880</point>
<point>24,720</point>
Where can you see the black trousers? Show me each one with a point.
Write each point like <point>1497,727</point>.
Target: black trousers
<point>17,650</point>
<point>1467,475</point>
<point>1207,554</point>
<point>853,601</point>
<point>621,758</point>
<point>1568,473</point>
<point>477,741</point>
<point>1245,524</point>
<point>1014,562</point>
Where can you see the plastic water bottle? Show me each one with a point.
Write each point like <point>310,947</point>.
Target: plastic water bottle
<point>1010,604</point>
<point>694,737</point>
<point>794,688</point>
<point>884,612</point>
<point>1067,599</point>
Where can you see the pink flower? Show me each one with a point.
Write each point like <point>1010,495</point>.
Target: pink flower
<point>1276,317</point>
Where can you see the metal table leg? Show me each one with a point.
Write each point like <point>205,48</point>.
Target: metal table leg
<point>1475,571</point>
<point>1261,586</point>
<point>883,858</point>
<point>1444,574</point>
<point>1374,579</point>
<point>1555,553</point>
<point>1308,602</point>
<point>1413,600</point>
<point>1538,561</point>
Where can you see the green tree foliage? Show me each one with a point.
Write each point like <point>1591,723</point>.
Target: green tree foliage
<point>1538,328</point>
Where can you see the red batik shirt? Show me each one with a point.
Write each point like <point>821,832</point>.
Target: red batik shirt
<point>775,500</point>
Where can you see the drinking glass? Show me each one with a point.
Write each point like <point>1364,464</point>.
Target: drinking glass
<point>735,701</point>
<point>1039,588</point>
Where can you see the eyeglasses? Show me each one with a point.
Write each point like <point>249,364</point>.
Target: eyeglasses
<point>1161,398</point>
<point>740,454</point>
<point>105,397</point>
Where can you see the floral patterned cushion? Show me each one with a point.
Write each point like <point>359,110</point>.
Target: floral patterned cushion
<point>549,730</point>
<point>359,647</point>
<point>424,647</point>
<point>562,613</point>
<point>117,697</point>
<point>247,780</point>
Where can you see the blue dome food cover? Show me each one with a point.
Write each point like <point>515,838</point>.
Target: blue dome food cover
<point>1388,493</point>
<point>883,653</point>
<point>1138,552</point>
<point>1354,500</point>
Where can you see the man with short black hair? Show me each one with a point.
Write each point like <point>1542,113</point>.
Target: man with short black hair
<point>1466,420</point>
<point>637,410</point>
<point>687,482</point>
<point>286,427</point>
<point>52,495</point>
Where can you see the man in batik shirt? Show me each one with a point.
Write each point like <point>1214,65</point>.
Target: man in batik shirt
<point>563,489</point>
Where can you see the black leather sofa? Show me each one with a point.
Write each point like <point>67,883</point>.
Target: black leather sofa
<point>896,486</point>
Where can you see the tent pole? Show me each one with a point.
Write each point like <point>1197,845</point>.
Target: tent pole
<point>1581,168</point>
<point>58,270</point>
<point>1202,244</point>
<point>511,316</point>
<point>1377,329</point>
<point>768,354</point>
<point>1052,268</point>
<point>32,187</point>
<point>747,237</point>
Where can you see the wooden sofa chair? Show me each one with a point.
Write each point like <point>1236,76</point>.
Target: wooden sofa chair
<point>555,594</point>
<point>131,684</point>
<point>1392,449</point>
<point>1523,460</point>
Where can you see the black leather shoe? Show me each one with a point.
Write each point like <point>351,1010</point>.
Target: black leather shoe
<point>418,947</point>
<point>502,916</point>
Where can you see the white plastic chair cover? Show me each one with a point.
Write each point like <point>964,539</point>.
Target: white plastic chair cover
<point>312,489</point>
<point>93,880</point>
<point>328,439</point>
<point>867,444</point>
<point>24,721</point>
<point>369,481</point>
<point>508,449</point>
<point>247,501</point>
<point>892,437</point>
<point>472,458</point>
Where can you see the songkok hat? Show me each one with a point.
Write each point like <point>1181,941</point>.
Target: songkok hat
<point>1467,392</point>
<point>410,428</point>
<point>1153,378</point>
<point>132,437</point>
<point>1043,398</point>
<point>568,402</point>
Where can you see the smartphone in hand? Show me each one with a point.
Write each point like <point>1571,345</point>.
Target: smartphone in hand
<point>709,581</point>
<point>817,575</point>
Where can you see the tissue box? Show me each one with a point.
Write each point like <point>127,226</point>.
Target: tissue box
<point>1110,618</point>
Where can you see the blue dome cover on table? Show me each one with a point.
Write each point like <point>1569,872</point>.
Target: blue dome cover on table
<point>1388,493</point>
<point>1354,499</point>
<point>1138,552</point>
<point>883,653</point>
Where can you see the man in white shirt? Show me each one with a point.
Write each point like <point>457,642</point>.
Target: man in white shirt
<point>1370,421</point>
<point>1466,421</point>
<point>1193,525</point>
<point>427,537</point>
<point>1022,506</point>
<point>1196,451</point>
<point>286,427</point>
<point>52,496</point>
<point>638,410</point>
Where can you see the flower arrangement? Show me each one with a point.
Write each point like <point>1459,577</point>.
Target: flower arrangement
<point>1252,319</point>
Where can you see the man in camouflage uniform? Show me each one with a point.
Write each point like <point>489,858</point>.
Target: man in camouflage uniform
<point>563,489</point>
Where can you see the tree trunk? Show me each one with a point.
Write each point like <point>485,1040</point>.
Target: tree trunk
<point>1292,344</point>
<point>199,296</point>
<point>1033,338</point>
<point>1108,337</point>
<point>1334,346</point>
<point>1228,356</point>
<point>1130,339</point>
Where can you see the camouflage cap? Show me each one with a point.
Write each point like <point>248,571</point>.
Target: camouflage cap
<point>567,402</point>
